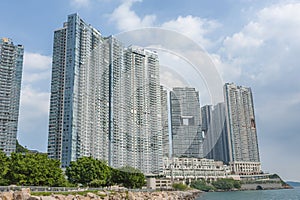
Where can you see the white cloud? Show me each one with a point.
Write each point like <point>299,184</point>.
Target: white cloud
<point>226,71</point>
<point>194,27</point>
<point>127,19</point>
<point>33,118</point>
<point>33,77</point>
<point>266,51</point>
<point>80,3</point>
<point>36,61</point>
<point>34,103</point>
<point>34,100</point>
<point>266,47</point>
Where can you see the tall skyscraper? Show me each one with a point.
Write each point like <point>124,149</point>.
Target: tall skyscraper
<point>136,137</point>
<point>75,124</point>
<point>165,122</point>
<point>105,100</point>
<point>186,122</point>
<point>241,126</point>
<point>11,64</point>
<point>215,144</point>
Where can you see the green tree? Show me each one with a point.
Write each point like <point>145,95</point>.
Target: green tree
<point>34,169</point>
<point>89,171</point>
<point>20,148</point>
<point>201,185</point>
<point>4,168</point>
<point>129,177</point>
<point>226,184</point>
<point>180,186</point>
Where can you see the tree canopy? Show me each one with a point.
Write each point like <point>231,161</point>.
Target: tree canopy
<point>37,169</point>
<point>226,184</point>
<point>88,171</point>
<point>95,173</point>
<point>34,169</point>
<point>4,168</point>
<point>129,177</point>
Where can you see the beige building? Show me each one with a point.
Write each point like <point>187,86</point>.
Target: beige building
<point>245,168</point>
<point>194,168</point>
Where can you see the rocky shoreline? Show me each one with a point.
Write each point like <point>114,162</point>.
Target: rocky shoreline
<point>25,194</point>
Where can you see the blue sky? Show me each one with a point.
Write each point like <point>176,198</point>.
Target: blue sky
<point>251,43</point>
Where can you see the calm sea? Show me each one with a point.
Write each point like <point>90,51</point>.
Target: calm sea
<point>286,194</point>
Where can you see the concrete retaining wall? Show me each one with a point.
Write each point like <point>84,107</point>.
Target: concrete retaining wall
<point>264,186</point>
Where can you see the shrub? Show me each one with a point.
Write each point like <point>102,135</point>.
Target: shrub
<point>201,185</point>
<point>180,186</point>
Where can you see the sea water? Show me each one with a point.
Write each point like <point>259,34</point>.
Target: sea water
<point>282,194</point>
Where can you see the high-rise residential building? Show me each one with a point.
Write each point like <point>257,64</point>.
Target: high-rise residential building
<point>186,122</point>
<point>215,144</point>
<point>136,135</point>
<point>105,100</point>
<point>241,123</point>
<point>165,121</point>
<point>75,124</point>
<point>241,128</point>
<point>11,64</point>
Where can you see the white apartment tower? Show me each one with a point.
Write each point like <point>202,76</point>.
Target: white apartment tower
<point>241,128</point>
<point>11,64</point>
<point>105,100</point>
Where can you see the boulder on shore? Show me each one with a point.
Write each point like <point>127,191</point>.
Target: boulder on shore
<point>24,194</point>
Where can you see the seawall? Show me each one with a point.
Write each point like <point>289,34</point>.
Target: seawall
<point>261,186</point>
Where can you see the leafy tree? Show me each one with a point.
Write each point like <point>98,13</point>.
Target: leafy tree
<point>4,167</point>
<point>89,171</point>
<point>226,184</point>
<point>129,177</point>
<point>20,148</point>
<point>201,185</point>
<point>34,169</point>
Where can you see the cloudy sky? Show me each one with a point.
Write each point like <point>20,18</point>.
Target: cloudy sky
<point>252,43</point>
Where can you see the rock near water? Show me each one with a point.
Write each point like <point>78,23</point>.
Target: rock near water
<point>24,194</point>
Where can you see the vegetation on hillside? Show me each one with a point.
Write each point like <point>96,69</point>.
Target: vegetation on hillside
<point>226,184</point>
<point>180,186</point>
<point>220,184</point>
<point>202,185</point>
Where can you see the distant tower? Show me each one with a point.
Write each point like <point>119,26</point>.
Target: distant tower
<point>186,123</point>
<point>241,128</point>
<point>11,64</point>
<point>165,122</point>
<point>215,131</point>
<point>241,123</point>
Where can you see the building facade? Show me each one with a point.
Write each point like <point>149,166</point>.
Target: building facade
<point>214,127</point>
<point>135,112</point>
<point>165,122</point>
<point>11,65</point>
<point>241,127</point>
<point>105,100</point>
<point>186,122</point>
<point>194,168</point>
<point>74,128</point>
